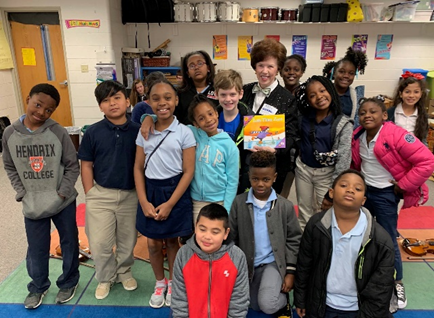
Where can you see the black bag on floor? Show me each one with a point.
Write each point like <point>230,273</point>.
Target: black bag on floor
<point>147,11</point>
<point>4,122</point>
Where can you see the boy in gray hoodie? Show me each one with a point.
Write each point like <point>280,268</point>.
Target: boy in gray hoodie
<point>41,163</point>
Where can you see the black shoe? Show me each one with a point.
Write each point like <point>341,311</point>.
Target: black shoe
<point>285,312</point>
<point>33,300</point>
<point>65,294</point>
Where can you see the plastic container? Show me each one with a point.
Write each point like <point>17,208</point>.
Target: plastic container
<point>342,14</point>
<point>404,11</point>
<point>416,70</point>
<point>372,11</point>
<point>316,12</point>
<point>325,13</point>
<point>307,13</point>
<point>334,11</point>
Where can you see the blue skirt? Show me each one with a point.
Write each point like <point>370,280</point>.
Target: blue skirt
<point>180,220</point>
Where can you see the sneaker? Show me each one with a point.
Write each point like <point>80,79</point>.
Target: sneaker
<point>129,284</point>
<point>157,298</point>
<point>102,290</point>
<point>65,294</point>
<point>400,292</point>
<point>168,301</point>
<point>33,300</point>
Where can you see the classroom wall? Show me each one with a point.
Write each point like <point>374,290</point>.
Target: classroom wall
<point>83,46</point>
<point>413,46</point>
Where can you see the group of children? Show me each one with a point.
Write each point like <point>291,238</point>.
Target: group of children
<point>170,180</point>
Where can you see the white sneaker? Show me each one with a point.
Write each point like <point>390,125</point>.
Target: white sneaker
<point>102,290</point>
<point>129,284</point>
<point>168,301</point>
<point>157,298</point>
<point>400,292</point>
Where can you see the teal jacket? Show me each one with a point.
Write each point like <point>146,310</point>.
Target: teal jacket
<point>216,172</point>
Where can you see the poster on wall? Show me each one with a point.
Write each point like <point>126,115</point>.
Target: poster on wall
<point>299,45</point>
<point>276,37</point>
<point>360,42</point>
<point>76,23</point>
<point>29,56</point>
<point>220,47</point>
<point>245,43</point>
<point>5,51</point>
<point>384,46</point>
<point>328,47</point>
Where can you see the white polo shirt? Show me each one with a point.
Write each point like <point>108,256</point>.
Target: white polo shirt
<point>375,174</point>
<point>404,121</point>
<point>259,96</point>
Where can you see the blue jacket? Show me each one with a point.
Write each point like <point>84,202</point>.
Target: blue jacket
<point>217,168</point>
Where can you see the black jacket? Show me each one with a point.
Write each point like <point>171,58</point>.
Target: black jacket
<point>374,268</point>
<point>186,97</point>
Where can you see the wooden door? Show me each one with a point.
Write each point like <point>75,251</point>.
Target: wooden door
<point>27,43</point>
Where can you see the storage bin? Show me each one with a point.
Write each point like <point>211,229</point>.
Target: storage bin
<point>325,13</point>
<point>404,11</point>
<point>342,14</point>
<point>316,12</point>
<point>156,61</point>
<point>334,11</point>
<point>372,11</point>
<point>307,13</point>
<point>416,70</point>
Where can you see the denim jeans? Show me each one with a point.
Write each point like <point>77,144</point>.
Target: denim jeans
<point>335,313</point>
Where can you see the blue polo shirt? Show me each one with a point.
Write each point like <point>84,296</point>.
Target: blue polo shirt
<point>140,109</point>
<point>112,149</point>
<point>346,103</point>
<point>323,143</point>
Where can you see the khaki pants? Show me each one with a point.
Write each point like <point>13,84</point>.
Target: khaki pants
<point>311,185</point>
<point>111,222</point>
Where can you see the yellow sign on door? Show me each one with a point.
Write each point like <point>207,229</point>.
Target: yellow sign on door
<point>29,57</point>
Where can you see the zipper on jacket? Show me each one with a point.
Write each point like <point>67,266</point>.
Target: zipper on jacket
<point>359,271</point>
<point>209,286</point>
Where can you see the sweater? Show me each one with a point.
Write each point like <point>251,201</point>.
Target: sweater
<point>216,170</point>
<point>41,165</point>
<point>210,285</point>
<point>374,268</point>
<point>283,229</point>
<point>407,159</point>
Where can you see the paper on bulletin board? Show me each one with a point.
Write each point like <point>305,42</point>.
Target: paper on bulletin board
<point>299,45</point>
<point>328,47</point>
<point>360,42</point>
<point>5,51</point>
<point>220,47</point>
<point>77,23</point>
<point>245,44</point>
<point>264,130</point>
<point>276,37</point>
<point>29,56</point>
<point>384,46</point>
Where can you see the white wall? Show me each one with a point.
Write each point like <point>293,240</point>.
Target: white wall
<point>413,44</point>
<point>83,46</point>
<point>8,103</point>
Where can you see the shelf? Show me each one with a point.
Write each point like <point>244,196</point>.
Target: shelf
<point>296,22</point>
<point>169,69</point>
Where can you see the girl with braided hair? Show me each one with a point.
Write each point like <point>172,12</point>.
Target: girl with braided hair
<point>343,73</point>
<point>325,145</point>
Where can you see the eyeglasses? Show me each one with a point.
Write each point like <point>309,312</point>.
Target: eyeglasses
<point>199,64</point>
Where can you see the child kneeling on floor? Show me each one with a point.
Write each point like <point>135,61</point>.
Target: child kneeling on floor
<point>210,272</point>
<point>265,227</point>
<point>345,264</point>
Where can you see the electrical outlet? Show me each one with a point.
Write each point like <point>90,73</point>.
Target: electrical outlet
<point>84,68</point>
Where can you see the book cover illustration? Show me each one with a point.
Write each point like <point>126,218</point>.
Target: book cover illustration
<point>264,130</point>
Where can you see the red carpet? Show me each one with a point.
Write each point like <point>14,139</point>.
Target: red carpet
<point>416,218</point>
<point>81,214</point>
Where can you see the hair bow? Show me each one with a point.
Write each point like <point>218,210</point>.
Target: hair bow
<point>417,76</point>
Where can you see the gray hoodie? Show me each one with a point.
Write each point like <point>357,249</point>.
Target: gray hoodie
<point>41,166</point>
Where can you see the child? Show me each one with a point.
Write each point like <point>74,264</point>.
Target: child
<point>143,107</point>
<point>229,89</point>
<point>210,272</point>
<point>197,77</point>
<point>409,106</point>
<point>137,92</point>
<point>217,158</point>
<point>394,163</point>
<point>41,163</point>
<point>345,261</point>
<point>163,170</point>
<point>267,97</point>
<point>292,71</point>
<point>265,227</point>
<point>343,73</point>
<point>107,154</point>
<point>325,146</point>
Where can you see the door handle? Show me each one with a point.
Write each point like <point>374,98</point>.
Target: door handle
<point>65,82</point>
